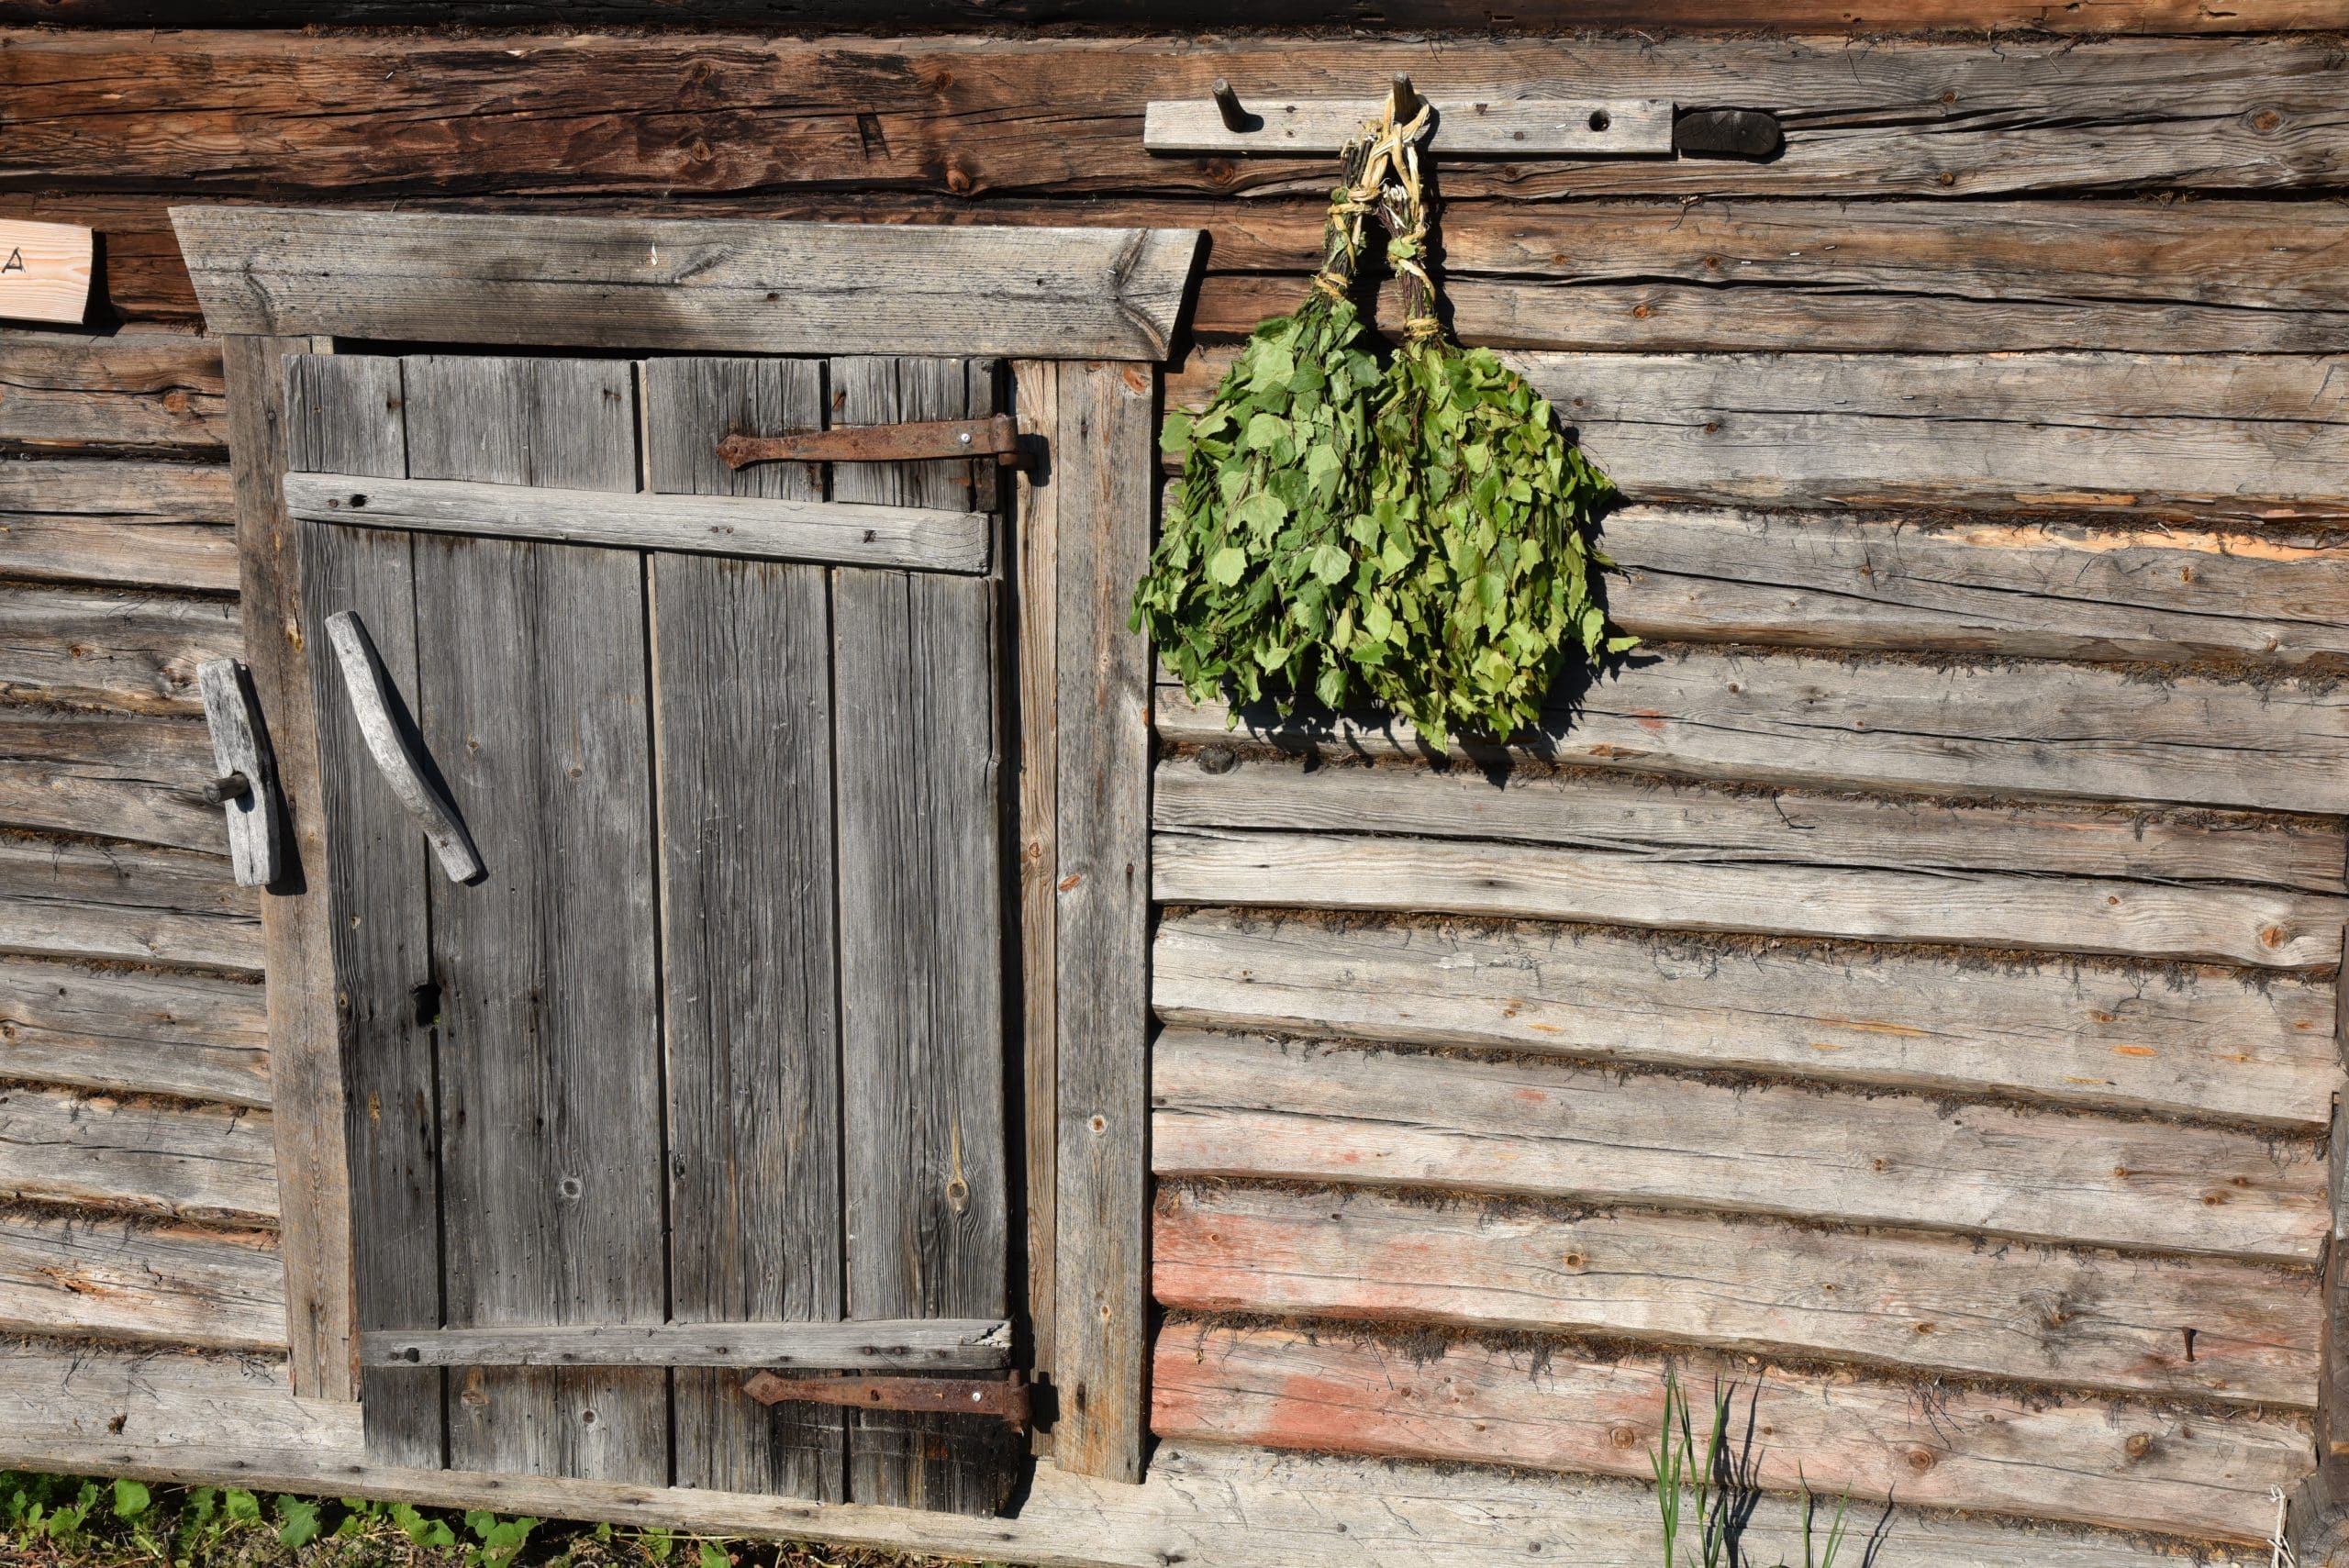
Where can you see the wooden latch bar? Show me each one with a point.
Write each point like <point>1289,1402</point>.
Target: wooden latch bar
<point>1006,1399</point>
<point>997,437</point>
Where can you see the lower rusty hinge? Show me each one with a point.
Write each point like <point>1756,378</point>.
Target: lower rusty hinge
<point>1006,1399</point>
<point>997,437</point>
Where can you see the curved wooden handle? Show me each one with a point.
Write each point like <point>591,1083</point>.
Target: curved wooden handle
<point>371,704</point>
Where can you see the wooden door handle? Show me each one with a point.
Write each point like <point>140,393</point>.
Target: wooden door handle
<point>246,786</point>
<point>403,767</point>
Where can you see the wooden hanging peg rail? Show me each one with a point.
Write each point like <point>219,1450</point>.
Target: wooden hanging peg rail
<point>1465,126</point>
<point>997,437</point>
<point>1006,1399</point>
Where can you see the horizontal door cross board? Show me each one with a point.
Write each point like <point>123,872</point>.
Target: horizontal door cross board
<point>850,533</point>
<point>734,286</point>
<point>905,1344</point>
<point>1463,127</point>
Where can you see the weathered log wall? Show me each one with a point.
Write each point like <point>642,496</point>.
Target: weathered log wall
<point>1906,988</point>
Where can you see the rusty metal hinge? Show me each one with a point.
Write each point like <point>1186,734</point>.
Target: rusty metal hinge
<point>1006,1399</point>
<point>997,437</point>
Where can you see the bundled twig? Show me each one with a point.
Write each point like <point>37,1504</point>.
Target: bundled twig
<point>1482,512</point>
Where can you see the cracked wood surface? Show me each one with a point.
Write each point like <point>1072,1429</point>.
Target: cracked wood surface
<point>1244,1107</point>
<point>65,899</point>
<point>157,394</point>
<point>191,1035</point>
<point>131,523</point>
<point>184,1162</point>
<point>123,776</point>
<point>130,1280</point>
<point>2123,1037</point>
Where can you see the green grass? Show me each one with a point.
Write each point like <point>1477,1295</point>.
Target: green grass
<point>68,1521</point>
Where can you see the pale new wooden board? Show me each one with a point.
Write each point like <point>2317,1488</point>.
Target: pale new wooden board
<point>2127,1465</point>
<point>110,774</point>
<point>200,1162</point>
<point>689,283</point>
<point>1462,127</point>
<point>44,271</point>
<point>135,652</point>
<point>915,1345</point>
<point>1365,872</point>
<point>161,525</point>
<point>1221,786</point>
<point>768,528</point>
<point>2006,586</point>
<point>196,1035</point>
<point>1237,1105</point>
<point>2168,1328</point>
<point>2195,1041</point>
<point>1035,613</point>
<point>147,393</point>
<point>91,1410</point>
<point>2033,729</point>
<point>61,898</point>
<point>76,1275</point>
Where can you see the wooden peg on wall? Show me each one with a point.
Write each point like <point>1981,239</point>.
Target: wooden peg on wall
<point>1227,103</point>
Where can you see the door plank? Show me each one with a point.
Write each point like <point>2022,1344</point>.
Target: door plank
<point>742,692</point>
<point>343,413</point>
<point>920,910</point>
<point>534,704</point>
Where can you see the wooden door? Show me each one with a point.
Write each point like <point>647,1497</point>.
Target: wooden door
<point>716,1035</point>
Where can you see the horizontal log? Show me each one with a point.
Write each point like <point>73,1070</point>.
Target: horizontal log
<point>690,282</point>
<point>109,775</point>
<point>1807,16</point>
<point>1369,872</point>
<point>910,1344</point>
<point>2164,1328</point>
<point>1968,117</point>
<point>846,533</point>
<point>2018,588</point>
<point>155,393</point>
<point>66,899</point>
<point>2037,730</point>
<point>2127,1465</point>
<point>129,650</point>
<point>1218,785</point>
<point>1232,1106</point>
<point>153,524</point>
<point>195,1036</point>
<point>220,1419</point>
<point>2192,1041</point>
<point>192,1162</point>
<point>1883,276</point>
<point>177,1284</point>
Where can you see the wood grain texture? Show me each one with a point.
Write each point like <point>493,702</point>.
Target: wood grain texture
<point>306,1067</point>
<point>688,284</point>
<point>161,525</point>
<point>2005,586</point>
<point>1035,720</point>
<point>1221,785</point>
<point>2193,1041</point>
<point>898,1345</point>
<point>154,393</point>
<point>343,411</point>
<point>132,652</point>
<point>60,898</point>
<point>1102,918</point>
<point>1234,1105</point>
<point>111,774</point>
<point>2163,1327</point>
<point>196,1162</point>
<point>2128,1466</point>
<point>189,1418</point>
<point>1582,127</point>
<point>742,718</point>
<point>1363,871</point>
<point>1980,729</point>
<point>533,704</point>
<point>921,909</point>
<point>80,1274</point>
<point>769,528</point>
<point>1996,116</point>
<point>134,1031</point>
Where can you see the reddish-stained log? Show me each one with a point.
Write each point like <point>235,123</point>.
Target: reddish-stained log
<point>2128,1466</point>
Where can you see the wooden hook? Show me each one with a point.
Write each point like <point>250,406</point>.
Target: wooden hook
<point>1227,103</point>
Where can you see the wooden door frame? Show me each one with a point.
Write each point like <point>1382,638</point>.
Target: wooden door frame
<point>1087,315</point>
